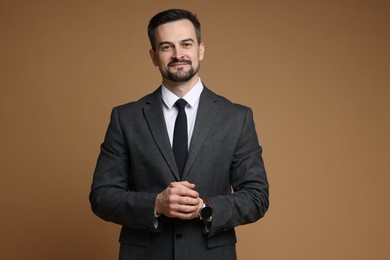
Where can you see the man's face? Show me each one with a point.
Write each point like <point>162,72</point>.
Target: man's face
<point>177,52</point>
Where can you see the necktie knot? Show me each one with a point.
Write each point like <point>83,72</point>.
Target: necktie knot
<point>181,103</point>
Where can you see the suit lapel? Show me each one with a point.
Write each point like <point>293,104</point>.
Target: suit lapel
<point>155,119</point>
<point>207,112</point>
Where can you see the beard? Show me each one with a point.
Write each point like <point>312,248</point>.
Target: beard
<point>180,75</point>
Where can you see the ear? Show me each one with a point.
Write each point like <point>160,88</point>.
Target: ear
<point>153,56</point>
<point>201,51</point>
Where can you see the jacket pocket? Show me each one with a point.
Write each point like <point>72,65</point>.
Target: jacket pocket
<point>135,237</point>
<point>225,238</point>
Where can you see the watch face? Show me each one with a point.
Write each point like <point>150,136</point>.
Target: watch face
<point>206,212</point>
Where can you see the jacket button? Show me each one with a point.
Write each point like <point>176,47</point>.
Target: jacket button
<point>179,236</point>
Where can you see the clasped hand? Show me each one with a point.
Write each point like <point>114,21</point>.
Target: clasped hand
<point>179,200</point>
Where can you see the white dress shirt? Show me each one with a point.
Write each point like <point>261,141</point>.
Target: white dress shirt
<point>170,114</point>
<point>170,111</point>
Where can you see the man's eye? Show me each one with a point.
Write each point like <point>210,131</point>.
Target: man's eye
<point>165,47</point>
<point>187,44</point>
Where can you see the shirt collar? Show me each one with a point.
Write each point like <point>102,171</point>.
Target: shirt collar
<point>191,97</point>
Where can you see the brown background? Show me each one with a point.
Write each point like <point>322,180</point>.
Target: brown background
<point>316,74</point>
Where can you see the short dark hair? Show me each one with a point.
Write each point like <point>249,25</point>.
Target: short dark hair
<point>171,16</point>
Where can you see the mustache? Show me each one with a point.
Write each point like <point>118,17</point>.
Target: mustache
<point>179,61</point>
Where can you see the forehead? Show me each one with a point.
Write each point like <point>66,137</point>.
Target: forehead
<point>175,31</point>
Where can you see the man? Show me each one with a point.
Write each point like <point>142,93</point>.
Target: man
<point>179,196</point>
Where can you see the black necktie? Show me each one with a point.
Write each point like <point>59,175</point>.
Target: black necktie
<point>180,136</point>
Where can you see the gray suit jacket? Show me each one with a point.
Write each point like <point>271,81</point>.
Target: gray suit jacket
<point>136,162</point>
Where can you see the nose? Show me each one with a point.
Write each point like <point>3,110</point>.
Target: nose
<point>178,53</point>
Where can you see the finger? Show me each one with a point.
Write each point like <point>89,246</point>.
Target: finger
<point>189,201</point>
<point>181,190</point>
<point>183,204</point>
<point>188,209</point>
<point>184,191</point>
<point>184,183</point>
<point>189,214</point>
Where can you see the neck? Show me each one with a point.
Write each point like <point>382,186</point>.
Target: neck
<point>180,89</point>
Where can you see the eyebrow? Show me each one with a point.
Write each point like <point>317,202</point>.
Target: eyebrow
<point>188,40</point>
<point>185,40</point>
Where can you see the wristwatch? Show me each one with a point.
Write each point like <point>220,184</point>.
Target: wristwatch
<point>206,211</point>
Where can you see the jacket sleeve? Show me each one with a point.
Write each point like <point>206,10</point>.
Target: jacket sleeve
<point>110,197</point>
<point>250,198</point>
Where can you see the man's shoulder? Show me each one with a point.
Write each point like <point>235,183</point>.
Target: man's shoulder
<point>137,104</point>
<point>223,101</point>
